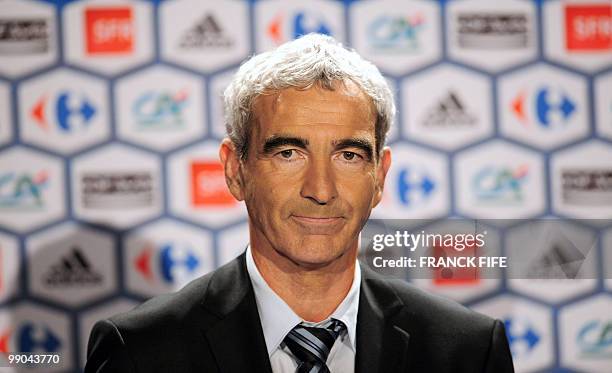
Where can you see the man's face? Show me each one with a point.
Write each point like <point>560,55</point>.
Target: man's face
<point>311,176</point>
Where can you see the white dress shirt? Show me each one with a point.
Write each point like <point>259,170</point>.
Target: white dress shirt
<point>277,320</point>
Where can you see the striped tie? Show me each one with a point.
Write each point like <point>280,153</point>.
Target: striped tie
<point>311,345</point>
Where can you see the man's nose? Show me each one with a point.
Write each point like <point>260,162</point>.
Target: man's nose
<point>319,182</point>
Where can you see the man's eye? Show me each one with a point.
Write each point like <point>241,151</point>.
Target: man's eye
<point>286,153</point>
<point>349,156</point>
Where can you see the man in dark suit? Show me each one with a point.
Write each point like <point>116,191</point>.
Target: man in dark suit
<point>307,124</point>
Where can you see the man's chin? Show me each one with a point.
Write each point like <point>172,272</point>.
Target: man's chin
<point>311,264</point>
<point>314,257</point>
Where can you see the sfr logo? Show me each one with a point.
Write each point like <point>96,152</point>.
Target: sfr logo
<point>588,28</point>
<point>109,30</point>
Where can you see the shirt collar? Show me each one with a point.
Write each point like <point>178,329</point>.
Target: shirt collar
<point>277,318</point>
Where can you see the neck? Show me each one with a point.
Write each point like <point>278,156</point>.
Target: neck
<point>313,294</point>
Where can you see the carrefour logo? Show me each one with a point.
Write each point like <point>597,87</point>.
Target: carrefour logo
<point>595,339</point>
<point>65,112</point>
<point>23,190</point>
<point>500,184</point>
<point>301,23</point>
<point>160,110</point>
<point>168,263</point>
<point>305,23</point>
<point>29,337</point>
<point>547,107</point>
<point>522,336</point>
<point>414,186</point>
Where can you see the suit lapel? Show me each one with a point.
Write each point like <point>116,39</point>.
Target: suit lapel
<point>382,344</point>
<point>236,339</point>
<point>238,345</point>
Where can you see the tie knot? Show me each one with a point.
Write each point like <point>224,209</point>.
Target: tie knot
<point>311,344</point>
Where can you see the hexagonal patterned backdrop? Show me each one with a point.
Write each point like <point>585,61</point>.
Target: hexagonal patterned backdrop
<point>111,115</point>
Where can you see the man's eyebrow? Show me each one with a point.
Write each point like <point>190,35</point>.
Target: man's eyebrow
<point>276,142</point>
<point>358,143</point>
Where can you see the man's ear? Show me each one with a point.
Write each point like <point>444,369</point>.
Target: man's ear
<point>384,163</point>
<point>231,164</point>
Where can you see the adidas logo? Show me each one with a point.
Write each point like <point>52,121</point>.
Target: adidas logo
<point>73,269</point>
<point>562,260</point>
<point>205,34</point>
<point>449,112</point>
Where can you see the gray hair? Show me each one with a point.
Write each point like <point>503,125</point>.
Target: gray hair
<point>313,58</point>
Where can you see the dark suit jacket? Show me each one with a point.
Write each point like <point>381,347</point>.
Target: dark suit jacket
<point>212,325</point>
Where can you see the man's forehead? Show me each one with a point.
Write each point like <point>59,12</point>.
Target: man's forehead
<point>345,104</point>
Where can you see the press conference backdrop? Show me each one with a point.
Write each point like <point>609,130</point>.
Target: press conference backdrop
<point>111,114</point>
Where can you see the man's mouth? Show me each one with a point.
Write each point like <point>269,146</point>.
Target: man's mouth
<point>317,219</point>
<point>319,225</point>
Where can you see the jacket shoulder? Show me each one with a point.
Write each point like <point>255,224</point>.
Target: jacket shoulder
<point>197,302</point>
<point>165,309</point>
<point>431,317</point>
<point>435,307</point>
<point>165,332</point>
